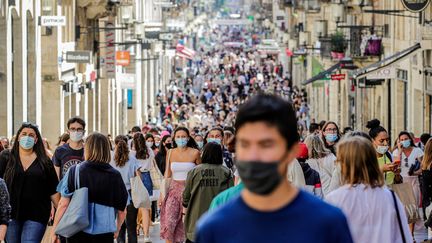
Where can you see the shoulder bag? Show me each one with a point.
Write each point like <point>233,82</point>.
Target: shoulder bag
<point>76,218</point>
<point>405,193</point>
<point>398,217</point>
<point>166,181</point>
<point>156,175</point>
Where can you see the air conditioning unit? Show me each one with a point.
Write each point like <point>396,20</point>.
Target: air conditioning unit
<point>320,28</point>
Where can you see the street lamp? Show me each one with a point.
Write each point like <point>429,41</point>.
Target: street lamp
<point>338,12</point>
<point>139,31</point>
<point>126,12</point>
<point>320,28</point>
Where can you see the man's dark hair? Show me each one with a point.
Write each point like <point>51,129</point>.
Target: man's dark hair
<point>272,110</point>
<point>321,124</point>
<point>136,129</point>
<point>78,120</point>
<point>313,127</point>
<point>212,154</point>
<point>231,129</point>
<point>424,138</point>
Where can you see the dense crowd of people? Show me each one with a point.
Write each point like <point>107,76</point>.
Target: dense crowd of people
<point>233,157</point>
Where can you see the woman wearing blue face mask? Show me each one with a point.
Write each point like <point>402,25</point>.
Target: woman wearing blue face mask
<point>410,158</point>
<point>199,139</point>
<point>31,180</point>
<point>330,135</point>
<point>180,160</point>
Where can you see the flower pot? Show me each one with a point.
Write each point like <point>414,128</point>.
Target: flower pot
<point>340,55</point>
<point>337,55</point>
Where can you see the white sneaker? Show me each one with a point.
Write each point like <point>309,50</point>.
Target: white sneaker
<point>147,239</point>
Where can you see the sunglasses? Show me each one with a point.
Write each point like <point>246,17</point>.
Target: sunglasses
<point>29,125</point>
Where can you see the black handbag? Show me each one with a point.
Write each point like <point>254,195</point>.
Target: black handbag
<point>414,167</point>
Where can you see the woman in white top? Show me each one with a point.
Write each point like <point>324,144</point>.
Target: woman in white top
<point>127,165</point>
<point>180,160</point>
<point>374,213</point>
<point>144,155</point>
<point>321,159</point>
<point>408,154</point>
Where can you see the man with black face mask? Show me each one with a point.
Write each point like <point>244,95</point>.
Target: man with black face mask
<point>270,209</point>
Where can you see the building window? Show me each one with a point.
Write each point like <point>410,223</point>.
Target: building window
<point>402,75</point>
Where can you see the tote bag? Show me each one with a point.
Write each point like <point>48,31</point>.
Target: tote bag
<point>156,176</point>
<point>75,218</point>
<point>140,195</point>
<point>405,193</point>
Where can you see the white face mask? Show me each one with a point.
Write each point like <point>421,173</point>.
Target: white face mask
<point>382,149</point>
<point>76,136</point>
<point>149,144</point>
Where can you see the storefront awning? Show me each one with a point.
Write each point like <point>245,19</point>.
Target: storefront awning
<point>398,56</point>
<point>323,74</point>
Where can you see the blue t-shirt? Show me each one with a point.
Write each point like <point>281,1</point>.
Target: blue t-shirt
<point>305,219</point>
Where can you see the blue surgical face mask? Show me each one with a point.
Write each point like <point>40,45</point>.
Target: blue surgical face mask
<point>331,137</point>
<point>214,140</point>
<point>27,142</point>
<point>181,142</point>
<point>406,143</point>
<point>200,144</point>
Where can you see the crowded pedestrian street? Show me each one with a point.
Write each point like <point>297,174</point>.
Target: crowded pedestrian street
<point>215,121</point>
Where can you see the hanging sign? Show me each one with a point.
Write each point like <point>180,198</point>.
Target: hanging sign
<point>78,56</point>
<point>122,58</point>
<point>338,76</point>
<point>110,52</point>
<point>415,5</point>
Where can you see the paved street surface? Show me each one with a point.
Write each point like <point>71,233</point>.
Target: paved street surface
<point>154,234</point>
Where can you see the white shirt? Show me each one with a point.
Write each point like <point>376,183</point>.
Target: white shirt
<point>325,167</point>
<point>145,164</point>
<point>416,153</point>
<point>295,174</point>
<point>371,213</point>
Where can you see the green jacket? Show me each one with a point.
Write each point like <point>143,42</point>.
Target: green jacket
<point>203,183</point>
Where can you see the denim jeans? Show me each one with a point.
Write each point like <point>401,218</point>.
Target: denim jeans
<point>25,231</point>
<point>130,226</point>
<point>147,181</point>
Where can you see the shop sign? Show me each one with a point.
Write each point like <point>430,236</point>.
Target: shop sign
<point>382,73</point>
<point>338,76</point>
<point>110,67</point>
<point>53,21</point>
<point>122,58</point>
<point>415,5</point>
<point>78,56</point>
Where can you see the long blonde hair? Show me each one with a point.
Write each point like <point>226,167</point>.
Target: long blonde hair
<point>427,158</point>
<point>316,147</point>
<point>359,162</point>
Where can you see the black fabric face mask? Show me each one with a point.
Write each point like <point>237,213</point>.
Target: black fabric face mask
<point>259,177</point>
